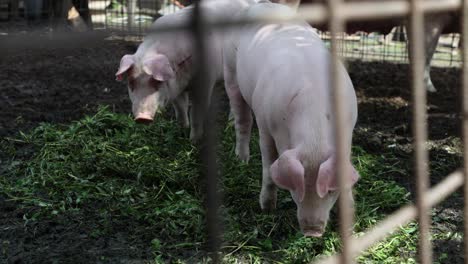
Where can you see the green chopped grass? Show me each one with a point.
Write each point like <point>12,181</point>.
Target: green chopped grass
<point>148,177</point>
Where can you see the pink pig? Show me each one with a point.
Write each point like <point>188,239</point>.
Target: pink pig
<point>163,66</point>
<point>280,71</point>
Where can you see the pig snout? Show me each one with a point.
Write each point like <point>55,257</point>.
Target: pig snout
<point>143,118</point>
<point>312,229</point>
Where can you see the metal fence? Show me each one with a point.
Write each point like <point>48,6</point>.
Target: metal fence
<point>134,18</point>
<point>336,13</point>
<point>364,46</point>
<point>374,46</point>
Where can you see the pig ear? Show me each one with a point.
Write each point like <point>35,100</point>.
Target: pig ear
<point>159,67</point>
<point>287,172</point>
<point>126,63</point>
<point>327,177</point>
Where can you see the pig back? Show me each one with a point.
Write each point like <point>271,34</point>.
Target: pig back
<point>287,75</point>
<point>279,52</point>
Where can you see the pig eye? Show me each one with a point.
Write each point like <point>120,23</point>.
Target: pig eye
<point>154,83</point>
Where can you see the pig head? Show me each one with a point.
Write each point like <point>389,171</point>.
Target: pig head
<point>148,78</point>
<point>314,187</point>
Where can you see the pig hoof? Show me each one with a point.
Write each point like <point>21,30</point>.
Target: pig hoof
<point>268,206</point>
<point>268,203</point>
<point>243,155</point>
<point>195,140</point>
<point>230,117</point>
<point>195,137</point>
<point>431,88</point>
<point>184,123</point>
<point>429,85</point>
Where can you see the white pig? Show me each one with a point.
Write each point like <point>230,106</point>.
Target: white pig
<point>280,71</point>
<point>163,66</point>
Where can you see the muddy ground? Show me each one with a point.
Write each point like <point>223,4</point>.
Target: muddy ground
<point>42,81</point>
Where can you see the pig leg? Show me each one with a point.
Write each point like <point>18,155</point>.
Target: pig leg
<point>269,190</point>
<point>433,32</point>
<point>180,105</point>
<point>433,28</point>
<point>242,116</point>
<point>200,103</point>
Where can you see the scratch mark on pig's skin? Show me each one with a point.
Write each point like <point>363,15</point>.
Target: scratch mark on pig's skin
<point>292,99</point>
<point>289,108</point>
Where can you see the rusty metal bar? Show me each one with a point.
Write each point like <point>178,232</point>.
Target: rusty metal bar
<point>417,59</point>
<point>401,217</point>
<point>346,211</point>
<point>209,142</point>
<point>464,76</point>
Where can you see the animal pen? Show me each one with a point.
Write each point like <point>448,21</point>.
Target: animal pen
<point>367,46</point>
<point>131,20</point>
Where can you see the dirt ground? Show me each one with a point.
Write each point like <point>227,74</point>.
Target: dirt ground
<point>41,81</point>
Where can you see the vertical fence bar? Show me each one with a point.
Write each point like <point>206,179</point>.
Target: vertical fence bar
<point>106,22</point>
<point>336,25</point>
<point>208,144</point>
<point>140,21</point>
<point>464,28</point>
<point>131,8</point>
<point>14,9</point>
<point>420,128</point>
